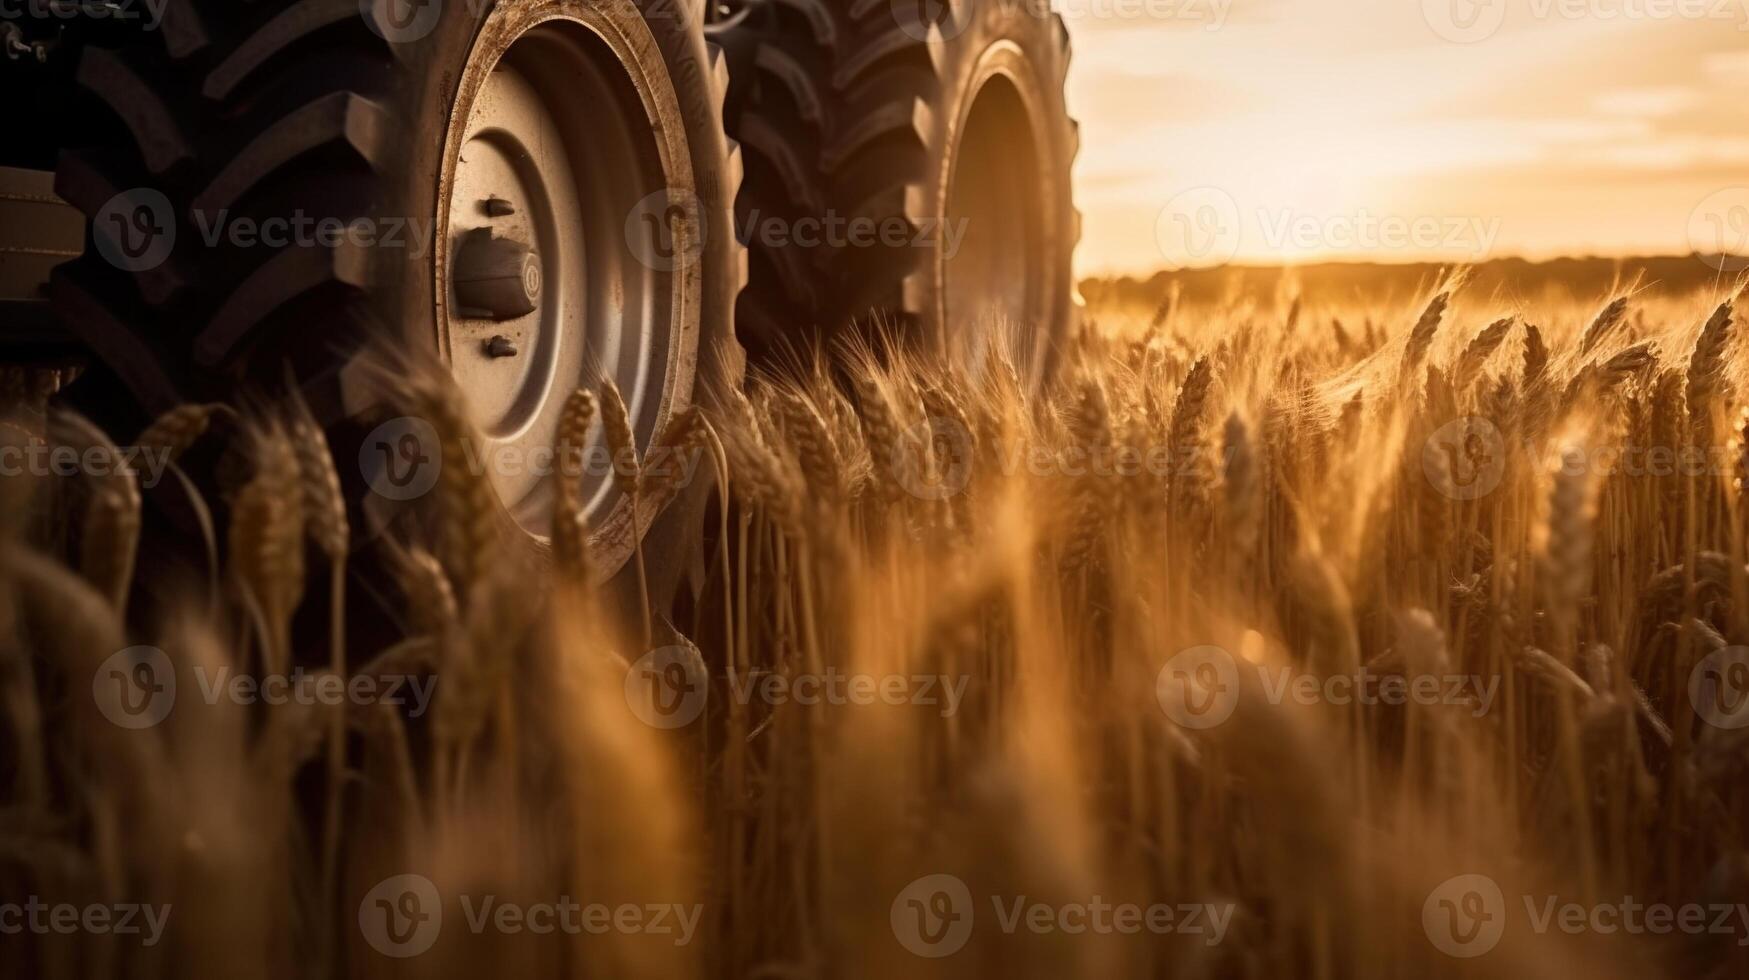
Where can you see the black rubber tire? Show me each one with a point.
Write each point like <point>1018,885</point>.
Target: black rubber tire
<point>325,109</point>
<point>853,109</point>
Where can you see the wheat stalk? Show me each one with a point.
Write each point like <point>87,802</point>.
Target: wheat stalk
<point>570,531</point>
<point>1481,347</point>
<point>1421,336</point>
<point>1611,317</point>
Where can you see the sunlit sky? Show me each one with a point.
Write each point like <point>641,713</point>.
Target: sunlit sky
<point>1356,128</point>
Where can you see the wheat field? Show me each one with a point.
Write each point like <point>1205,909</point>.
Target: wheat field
<point>1266,639</point>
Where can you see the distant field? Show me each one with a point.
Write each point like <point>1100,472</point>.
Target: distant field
<point>1552,282</point>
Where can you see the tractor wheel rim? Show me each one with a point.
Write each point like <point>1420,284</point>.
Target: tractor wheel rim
<point>994,284</point>
<point>540,294</point>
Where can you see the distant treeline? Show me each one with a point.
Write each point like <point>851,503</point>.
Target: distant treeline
<point>1337,282</point>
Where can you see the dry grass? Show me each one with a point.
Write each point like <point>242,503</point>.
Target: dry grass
<point>1256,478</point>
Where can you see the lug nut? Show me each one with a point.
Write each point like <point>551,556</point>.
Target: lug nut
<point>500,346</point>
<point>497,207</point>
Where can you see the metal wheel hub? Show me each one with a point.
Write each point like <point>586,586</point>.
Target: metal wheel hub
<point>495,278</point>
<point>551,148</point>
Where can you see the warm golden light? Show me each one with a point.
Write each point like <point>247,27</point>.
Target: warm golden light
<point>1362,129</point>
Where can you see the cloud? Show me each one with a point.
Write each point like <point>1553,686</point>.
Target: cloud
<point>1646,102</point>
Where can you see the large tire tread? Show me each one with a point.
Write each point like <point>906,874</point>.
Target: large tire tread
<point>838,106</point>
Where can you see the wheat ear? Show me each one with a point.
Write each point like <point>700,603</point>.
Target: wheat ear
<point>570,533</point>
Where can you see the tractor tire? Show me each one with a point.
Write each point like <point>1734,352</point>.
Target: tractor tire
<point>293,188</point>
<point>863,113</point>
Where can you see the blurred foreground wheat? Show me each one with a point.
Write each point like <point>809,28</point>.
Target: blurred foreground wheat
<point>1115,635</point>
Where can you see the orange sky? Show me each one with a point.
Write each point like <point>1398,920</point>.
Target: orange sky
<point>1291,130</point>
